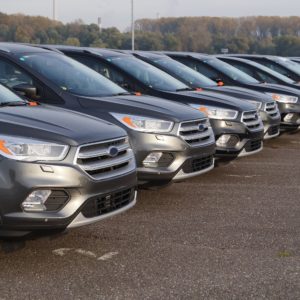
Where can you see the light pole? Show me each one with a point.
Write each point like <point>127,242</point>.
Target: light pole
<point>54,11</point>
<point>132,25</point>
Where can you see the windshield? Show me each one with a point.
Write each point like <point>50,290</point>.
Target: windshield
<point>8,96</point>
<point>289,64</point>
<point>147,74</point>
<point>185,73</point>
<point>272,72</point>
<point>230,71</point>
<point>70,75</point>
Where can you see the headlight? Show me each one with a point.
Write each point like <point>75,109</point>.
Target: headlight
<point>26,149</point>
<point>283,98</point>
<point>257,104</point>
<point>216,112</point>
<point>144,124</point>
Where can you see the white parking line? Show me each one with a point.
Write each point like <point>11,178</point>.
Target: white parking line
<point>243,176</point>
<point>108,256</point>
<point>86,253</point>
<point>61,251</point>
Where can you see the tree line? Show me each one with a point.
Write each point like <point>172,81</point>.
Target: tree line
<point>265,35</point>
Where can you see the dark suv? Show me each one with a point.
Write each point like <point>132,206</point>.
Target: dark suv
<point>265,104</point>
<point>259,71</point>
<point>60,169</point>
<point>171,142</point>
<point>237,126</point>
<point>282,65</point>
<point>288,99</point>
<point>296,60</point>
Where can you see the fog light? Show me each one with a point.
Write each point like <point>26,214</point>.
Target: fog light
<point>35,201</point>
<point>227,140</point>
<point>152,159</point>
<point>288,117</point>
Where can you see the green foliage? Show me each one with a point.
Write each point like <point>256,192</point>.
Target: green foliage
<point>266,35</point>
<point>72,41</point>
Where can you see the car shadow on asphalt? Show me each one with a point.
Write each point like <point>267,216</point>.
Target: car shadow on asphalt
<point>12,244</point>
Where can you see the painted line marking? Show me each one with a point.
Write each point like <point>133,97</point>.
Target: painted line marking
<point>108,256</point>
<point>64,251</point>
<point>61,251</point>
<point>244,176</point>
<point>86,253</point>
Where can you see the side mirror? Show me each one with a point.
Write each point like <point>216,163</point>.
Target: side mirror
<point>26,90</point>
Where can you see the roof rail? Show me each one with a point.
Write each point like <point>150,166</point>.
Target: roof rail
<point>91,51</point>
<point>4,49</point>
<point>48,48</point>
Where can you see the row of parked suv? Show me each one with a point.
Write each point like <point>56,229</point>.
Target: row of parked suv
<point>83,128</point>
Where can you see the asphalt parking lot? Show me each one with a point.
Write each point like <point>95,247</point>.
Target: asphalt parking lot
<point>231,234</point>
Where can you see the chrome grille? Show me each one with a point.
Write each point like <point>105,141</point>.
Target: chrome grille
<point>106,159</point>
<point>252,120</point>
<point>196,133</point>
<point>271,109</point>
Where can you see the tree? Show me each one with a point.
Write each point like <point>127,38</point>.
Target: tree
<point>72,41</point>
<point>266,35</point>
<point>287,45</point>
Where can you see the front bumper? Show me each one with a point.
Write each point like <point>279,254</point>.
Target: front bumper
<point>290,116</point>
<point>271,125</point>
<point>19,179</point>
<point>181,161</point>
<point>249,142</point>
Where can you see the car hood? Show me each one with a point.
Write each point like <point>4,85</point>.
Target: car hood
<point>218,100</point>
<point>148,106</point>
<point>242,93</point>
<point>56,125</point>
<point>275,88</point>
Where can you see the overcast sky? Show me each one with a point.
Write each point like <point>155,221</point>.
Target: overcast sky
<point>117,12</point>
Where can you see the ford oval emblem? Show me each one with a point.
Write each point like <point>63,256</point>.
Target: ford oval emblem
<point>201,127</point>
<point>113,151</point>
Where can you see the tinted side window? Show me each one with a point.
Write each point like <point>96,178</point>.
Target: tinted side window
<point>99,67</point>
<point>12,75</point>
<point>188,62</point>
<point>200,67</point>
<point>257,74</point>
<point>106,70</point>
<point>243,68</point>
<point>208,71</point>
<point>264,77</point>
<point>274,67</point>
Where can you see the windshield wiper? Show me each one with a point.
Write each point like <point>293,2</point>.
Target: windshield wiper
<point>122,94</point>
<point>184,89</point>
<point>13,103</point>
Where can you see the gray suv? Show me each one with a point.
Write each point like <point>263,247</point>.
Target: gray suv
<point>60,169</point>
<point>171,141</point>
